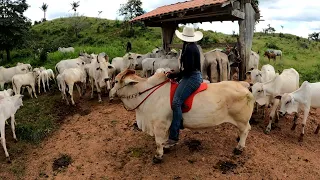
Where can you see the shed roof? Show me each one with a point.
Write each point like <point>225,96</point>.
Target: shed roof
<point>180,6</point>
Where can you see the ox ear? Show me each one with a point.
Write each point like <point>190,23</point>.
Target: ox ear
<point>278,97</point>
<point>110,67</point>
<point>98,59</point>
<point>129,81</point>
<point>127,72</point>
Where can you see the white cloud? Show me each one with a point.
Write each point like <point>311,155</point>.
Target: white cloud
<point>299,18</point>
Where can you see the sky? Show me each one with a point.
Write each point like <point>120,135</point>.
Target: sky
<point>296,16</point>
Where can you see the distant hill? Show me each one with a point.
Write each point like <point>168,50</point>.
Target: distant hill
<point>110,36</point>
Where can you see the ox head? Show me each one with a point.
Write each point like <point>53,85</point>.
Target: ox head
<point>259,93</point>
<point>254,76</point>
<point>122,80</point>
<point>102,72</point>
<point>288,104</point>
<point>132,57</point>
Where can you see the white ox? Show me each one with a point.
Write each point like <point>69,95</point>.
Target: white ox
<point>266,74</point>
<point>129,60</point>
<point>286,82</point>
<point>8,107</point>
<point>235,105</point>
<point>6,74</point>
<point>253,61</point>
<point>69,63</point>
<point>99,75</point>
<point>66,50</point>
<point>308,95</point>
<point>8,92</point>
<point>73,76</point>
<point>28,79</point>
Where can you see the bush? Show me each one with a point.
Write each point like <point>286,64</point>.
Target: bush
<point>272,45</point>
<point>21,53</point>
<point>43,55</point>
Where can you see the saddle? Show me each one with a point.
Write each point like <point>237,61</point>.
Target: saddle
<point>187,105</point>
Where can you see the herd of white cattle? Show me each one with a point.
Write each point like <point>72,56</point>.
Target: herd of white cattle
<point>267,86</point>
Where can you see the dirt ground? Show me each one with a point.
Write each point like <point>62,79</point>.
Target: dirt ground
<point>103,144</point>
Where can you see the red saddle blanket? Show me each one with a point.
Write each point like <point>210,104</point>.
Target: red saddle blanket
<point>189,100</point>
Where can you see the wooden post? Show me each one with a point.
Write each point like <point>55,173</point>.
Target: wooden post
<point>242,30</point>
<point>167,35</point>
<point>246,30</point>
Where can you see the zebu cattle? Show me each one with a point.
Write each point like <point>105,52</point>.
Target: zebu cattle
<point>73,76</point>
<point>99,76</point>
<point>8,107</point>
<point>28,79</point>
<point>6,74</point>
<point>286,82</point>
<point>307,96</point>
<point>216,67</point>
<point>235,106</point>
<point>129,60</point>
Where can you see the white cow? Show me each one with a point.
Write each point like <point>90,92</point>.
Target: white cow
<point>99,76</point>
<point>286,82</point>
<point>308,95</point>
<point>6,74</point>
<point>253,61</point>
<point>8,107</point>
<point>61,85</point>
<point>66,50</point>
<point>205,112</point>
<point>129,60</point>
<point>172,64</point>
<point>46,75</point>
<point>69,63</point>
<point>266,74</point>
<point>8,92</point>
<point>70,77</point>
<point>28,79</point>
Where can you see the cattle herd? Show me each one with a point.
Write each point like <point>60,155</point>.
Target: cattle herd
<point>266,86</point>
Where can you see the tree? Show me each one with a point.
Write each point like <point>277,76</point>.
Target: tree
<point>44,8</point>
<point>314,36</point>
<point>13,25</point>
<point>99,13</point>
<point>131,9</point>
<point>75,5</point>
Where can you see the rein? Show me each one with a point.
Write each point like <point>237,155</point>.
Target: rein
<point>139,93</point>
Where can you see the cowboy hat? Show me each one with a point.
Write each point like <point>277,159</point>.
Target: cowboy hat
<point>189,35</point>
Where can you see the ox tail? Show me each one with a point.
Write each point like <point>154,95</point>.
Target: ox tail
<point>228,70</point>
<point>153,70</point>
<point>221,69</point>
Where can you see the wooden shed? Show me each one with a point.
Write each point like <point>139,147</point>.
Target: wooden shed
<point>197,11</point>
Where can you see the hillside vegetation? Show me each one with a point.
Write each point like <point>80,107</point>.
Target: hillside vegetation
<point>95,35</point>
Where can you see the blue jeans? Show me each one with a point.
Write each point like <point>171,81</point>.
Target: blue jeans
<point>186,87</point>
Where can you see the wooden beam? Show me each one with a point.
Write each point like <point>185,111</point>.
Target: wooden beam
<point>242,30</point>
<point>211,14</point>
<point>213,45</point>
<point>238,14</point>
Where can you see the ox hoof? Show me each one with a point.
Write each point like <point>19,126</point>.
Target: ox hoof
<point>238,139</point>
<point>267,131</point>
<point>301,138</point>
<point>293,127</point>
<point>16,140</point>
<point>237,151</point>
<point>156,160</point>
<point>8,160</point>
<point>110,100</point>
